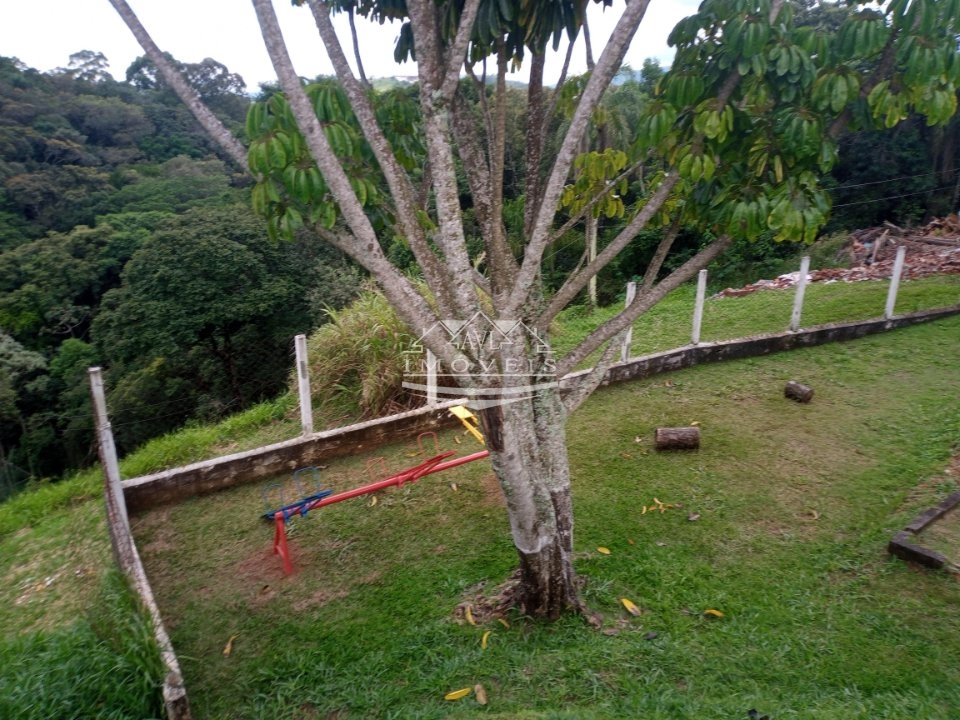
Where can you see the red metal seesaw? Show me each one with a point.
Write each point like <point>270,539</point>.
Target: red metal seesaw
<point>435,464</point>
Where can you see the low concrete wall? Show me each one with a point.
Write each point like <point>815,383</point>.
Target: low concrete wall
<point>171,486</point>
<point>209,476</point>
<point>648,365</point>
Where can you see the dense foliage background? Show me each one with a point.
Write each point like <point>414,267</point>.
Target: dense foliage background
<point>126,242</point>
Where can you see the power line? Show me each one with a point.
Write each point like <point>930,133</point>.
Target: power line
<point>893,197</point>
<point>890,180</point>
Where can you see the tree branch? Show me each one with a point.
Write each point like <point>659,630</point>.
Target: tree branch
<point>887,60</point>
<point>535,136</point>
<point>458,50</point>
<point>351,17</point>
<point>607,66</point>
<point>666,242</point>
<point>555,95</point>
<point>216,129</point>
<point>436,121</point>
<point>489,217</point>
<point>578,281</point>
<point>641,304</point>
<point>592,381</point>
<point>401,188</point>
<point>502,261</point>
<point>363,246</point>
<point>589,45</point>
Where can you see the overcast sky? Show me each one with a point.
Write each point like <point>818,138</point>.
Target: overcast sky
<point>44,33</point>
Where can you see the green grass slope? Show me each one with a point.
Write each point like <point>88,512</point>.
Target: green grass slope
<point>795,505</point>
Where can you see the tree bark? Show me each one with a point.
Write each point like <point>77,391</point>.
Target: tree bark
<point>677,438</point>
<point>528,451</point>
<point>798,391</point>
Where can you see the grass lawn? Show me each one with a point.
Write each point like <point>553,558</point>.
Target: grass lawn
<point>794,506</point>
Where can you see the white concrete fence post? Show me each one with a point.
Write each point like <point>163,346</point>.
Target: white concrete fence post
<point>108,448</point>
<point>894,282</point>
<point>698,307</point>
<point>628,336</point>
<point>798,298</point>
<point>303,385</point>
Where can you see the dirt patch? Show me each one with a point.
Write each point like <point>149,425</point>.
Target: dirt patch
<point>263,596</point>
<point>319,599</point>
<point>492,494</point>
<point>258,568</point>
<point>482,604</point>
<point>160,543</point>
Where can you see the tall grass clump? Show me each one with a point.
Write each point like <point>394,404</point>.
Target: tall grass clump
<point>357,361</point>
<point>106,665</point>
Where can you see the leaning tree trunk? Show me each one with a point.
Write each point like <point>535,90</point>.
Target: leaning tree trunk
<point>526,439</point>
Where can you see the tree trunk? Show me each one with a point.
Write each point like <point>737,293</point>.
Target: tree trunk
<point>528,451</point>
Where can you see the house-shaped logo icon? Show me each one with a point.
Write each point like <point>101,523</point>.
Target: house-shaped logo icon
<point>491,361</point>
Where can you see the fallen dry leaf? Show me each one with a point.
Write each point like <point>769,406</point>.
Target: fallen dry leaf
<point>631,607</point>
<point>228,648</point>
<point>503,621</point>
<point>481,694</point>
<point>483,640</point>
<point>603,550</point>
<point>458,694</point>
<point>710,612</point>
<point>453,486</point>
<point>693,517</point>
<point>373,500</point>
<point>469,615</point>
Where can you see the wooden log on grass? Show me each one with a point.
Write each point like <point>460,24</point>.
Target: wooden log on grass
<point>677,438</point>
<point>798,391</point>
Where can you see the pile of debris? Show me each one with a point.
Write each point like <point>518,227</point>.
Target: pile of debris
<point>933,249</point>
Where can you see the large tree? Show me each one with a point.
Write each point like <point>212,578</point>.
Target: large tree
<point>742,127</point>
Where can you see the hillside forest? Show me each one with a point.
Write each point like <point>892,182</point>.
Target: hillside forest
<point>127,242</point>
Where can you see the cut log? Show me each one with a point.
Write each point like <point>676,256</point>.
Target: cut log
<point>797,391</point>
<point>677,438</point>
